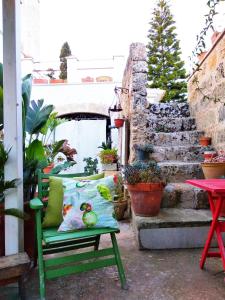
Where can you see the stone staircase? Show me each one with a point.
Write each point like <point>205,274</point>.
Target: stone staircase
<point>184,217</point>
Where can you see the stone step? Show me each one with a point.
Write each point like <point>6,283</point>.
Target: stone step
<point>185,153</point>
<point>180,138</point>
<point>182,195</point>
<point>173,229</point>
<point>179,171</point>
<point>171,110</point>
<point>171,124</point>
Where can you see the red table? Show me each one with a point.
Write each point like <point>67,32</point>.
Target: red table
<point>216,196</point>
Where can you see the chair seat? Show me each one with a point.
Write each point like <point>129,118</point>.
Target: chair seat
<point>52,235</point>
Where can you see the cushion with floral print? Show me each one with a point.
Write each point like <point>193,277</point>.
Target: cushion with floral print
<point>88,204</point>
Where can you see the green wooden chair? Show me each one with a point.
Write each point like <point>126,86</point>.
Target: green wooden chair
<point>50,241</point>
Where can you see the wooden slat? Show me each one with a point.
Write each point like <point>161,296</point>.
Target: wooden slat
<point>12,266</point>
<point>50,274</point>
<point>68,247</point>
<point>52,236</point>
<point>78,257</point>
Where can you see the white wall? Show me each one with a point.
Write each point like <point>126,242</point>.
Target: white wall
<point>85,136</point>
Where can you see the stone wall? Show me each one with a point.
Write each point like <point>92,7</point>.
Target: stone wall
<point>135,102</point>
<point>209,82</point>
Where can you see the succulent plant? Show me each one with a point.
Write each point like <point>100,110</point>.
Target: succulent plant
<point>144,147</point>
<point>142,172</point>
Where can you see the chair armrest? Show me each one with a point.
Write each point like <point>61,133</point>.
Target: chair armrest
<point>36,204</point>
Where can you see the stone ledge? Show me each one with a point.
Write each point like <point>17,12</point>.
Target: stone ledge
<point>174,217</point>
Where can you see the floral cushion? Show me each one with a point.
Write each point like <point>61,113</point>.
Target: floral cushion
<point>88,204</point>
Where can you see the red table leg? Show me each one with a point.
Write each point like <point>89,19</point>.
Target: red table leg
<point>215,213</point>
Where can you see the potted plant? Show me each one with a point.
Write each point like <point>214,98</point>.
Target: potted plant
<point>143,151</point>
<point>214,167</point>
<point>118,122</point>
<point>145,186</point>
<point>108,159</point>
<point>205,140</point>
<point>208,153</point>
<point>119,202</point>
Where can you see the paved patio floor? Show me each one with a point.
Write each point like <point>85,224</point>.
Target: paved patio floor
<point>154,275</point>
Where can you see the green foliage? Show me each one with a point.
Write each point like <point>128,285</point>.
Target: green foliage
<point>65,51</point>
<point>37,116</point>
<point>165,67</point>
<point>91,165</point>
<point>141,171</point>
<point>209,19</point>
<point>108,156</point>
<point>106,145</point>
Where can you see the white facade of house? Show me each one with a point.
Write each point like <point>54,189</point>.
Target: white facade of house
<point>89,89</point>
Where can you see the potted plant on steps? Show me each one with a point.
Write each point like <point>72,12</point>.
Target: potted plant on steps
<point>145,186</point>
<point>119,201</point>
<point>143,151</point>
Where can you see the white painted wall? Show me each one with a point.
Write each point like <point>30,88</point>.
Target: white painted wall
<point>85,136</point>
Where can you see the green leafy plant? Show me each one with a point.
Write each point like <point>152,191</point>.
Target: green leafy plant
<point>105,145</point>
<point>165,68</point>
<point>119,188</point>
<point>91,165</point>
<point>108,156</point>
<point>6,185</point>
<point>209,19</point>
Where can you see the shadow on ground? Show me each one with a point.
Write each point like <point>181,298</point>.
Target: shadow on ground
<point>153,275</point>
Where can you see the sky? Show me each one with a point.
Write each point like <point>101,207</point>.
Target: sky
<point>104,28</point>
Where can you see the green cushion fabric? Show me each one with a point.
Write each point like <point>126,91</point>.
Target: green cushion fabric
<point>91,177</point>
<point>53,215</point>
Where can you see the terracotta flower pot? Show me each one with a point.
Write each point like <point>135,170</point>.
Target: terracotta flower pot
<point>118,122</point>
<point>57,80</point>
<point>213,169</point>
<point>40,81</point>
<point>205,141</point>
<point>48,169</point>
<point>146,198</point>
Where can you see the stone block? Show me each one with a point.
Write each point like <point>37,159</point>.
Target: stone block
<point>172,229</point>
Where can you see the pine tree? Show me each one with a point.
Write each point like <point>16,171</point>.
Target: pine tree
<point>165,67</point>
<point>65,51</point>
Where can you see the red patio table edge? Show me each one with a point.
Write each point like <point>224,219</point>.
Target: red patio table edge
<point>216,195</point>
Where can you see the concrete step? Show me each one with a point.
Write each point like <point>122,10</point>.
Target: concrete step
<point>180,138</point>
<point>179,171</point>
<point>171,124</point>
<point>172,229</point>
<point>182,195</point>
<point>171,110</point>
<point>185,153</point>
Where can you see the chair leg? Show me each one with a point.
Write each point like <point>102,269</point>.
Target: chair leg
<point>22,292</point>
<point>119,262</point>
<point>97,242</point>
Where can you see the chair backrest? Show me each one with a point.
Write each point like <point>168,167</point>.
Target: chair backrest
<point>43,182</point>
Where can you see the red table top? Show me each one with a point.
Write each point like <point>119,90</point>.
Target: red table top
<point>212,185</point>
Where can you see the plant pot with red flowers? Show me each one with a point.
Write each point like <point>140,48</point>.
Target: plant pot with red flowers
<point>215,168</point>
<point>118,123</point>
<point>145,186</point>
